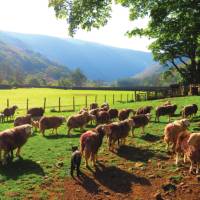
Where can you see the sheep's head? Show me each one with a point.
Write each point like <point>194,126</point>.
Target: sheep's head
<point>92,117</point>
<point>185,122</point>
<point>148,115</point>
<point>85,114</point>
<point>63,119</point>
<point>104,128</point>
<point>15,107</point>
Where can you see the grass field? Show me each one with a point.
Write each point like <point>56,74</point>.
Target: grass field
<point>46,159</point>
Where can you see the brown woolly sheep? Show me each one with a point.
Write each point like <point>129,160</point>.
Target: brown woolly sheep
<point>83,110</point>
<point>9,112</point>
<point>36,112</point>
<point>14,138</point>
<point>144,110</point>
<point>119,131</point>
<point>103,117</point>
<point>165,110</point>
<point>113,113</point>
<point>104,107</point>
<point>22,120</point>
<point>172,131</point>
<point>124,114</point>
<point>77,121</point>
<point>91,141</point>
<point>189,110</point>
<point>140,121</point>
<point>52,122</point>
<point>93,106</point>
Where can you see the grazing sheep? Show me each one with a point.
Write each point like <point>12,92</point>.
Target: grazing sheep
<point>105,107</point>
<point>113,113</point>
<point>140,121</point>
<point>9,112</point>
<point>2,118</point>
<point>91,141</point>
<point>103,117</point>
<point>189,110</point>
<point>93,106</point>
<point>119,131</point>
<point>22,120</point>
<point>165,110</point>
<point>144,110</point>
<point>189,145</point>
<point>172,131</point>
<point>36,112</point>
<point>13,138</point>
<point>124,114</point>
<point>77,121</point>
<point>52,122</point>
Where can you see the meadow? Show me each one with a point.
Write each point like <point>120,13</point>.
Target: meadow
<point>47,159</point>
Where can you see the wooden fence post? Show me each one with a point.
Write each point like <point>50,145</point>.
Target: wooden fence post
<point>86,101</point>
<point>105,98</point>
<point>59,104</point>
<point>45,103</point>
<point>113,99</point>
<point>73,103</point>
<point>96,99</point>
<point>8,103</point>
<point>135,96</point>
<point>27,104</point>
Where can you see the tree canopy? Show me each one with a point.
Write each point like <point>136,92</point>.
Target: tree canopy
<point>173,25</point>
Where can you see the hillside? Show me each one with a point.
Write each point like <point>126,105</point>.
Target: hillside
<point>18,61</point>
<point>98,62</point>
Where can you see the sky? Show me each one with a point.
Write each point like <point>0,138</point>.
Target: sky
<point>35,17</point>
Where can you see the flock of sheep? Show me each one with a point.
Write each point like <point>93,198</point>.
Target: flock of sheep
<point>111,123</point>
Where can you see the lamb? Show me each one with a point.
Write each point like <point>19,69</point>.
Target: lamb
<point>22,120</point>
<point>113,113</point>
<point>144,110</point>
<point>172,131</point>
<point>91,141</point>
<point>119,131</point>
<point>140,121</point>
<point>103,117</point>
<point>124,114</point>
<point>77,121</point>
<point>14,138</point>
<point>9,112</point>
<point>189,145</point>
<point>52,122</point>
<point>36,112</point>
<point>165,110</point>
<point>189,110</point>
<point>93,106</point>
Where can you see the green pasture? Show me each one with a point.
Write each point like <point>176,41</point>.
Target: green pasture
<point>48,158</point>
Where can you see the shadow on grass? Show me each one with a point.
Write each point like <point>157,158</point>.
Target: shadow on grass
<point>150,138</point>
<point>118,180</point>
<point>195,119</point>
<point>21,167</point>
<point>136,154</point>
<point>59,136</point>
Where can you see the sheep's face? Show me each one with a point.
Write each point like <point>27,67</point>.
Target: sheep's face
<point>85,113</point>
<point>185,122</point>
<point>63,119</point>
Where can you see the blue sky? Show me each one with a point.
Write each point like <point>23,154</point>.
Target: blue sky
<point>34,16</point>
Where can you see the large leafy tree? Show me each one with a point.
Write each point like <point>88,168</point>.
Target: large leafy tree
<point>174,26</point>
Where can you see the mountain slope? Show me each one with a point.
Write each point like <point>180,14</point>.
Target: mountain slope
<point>98,62</point>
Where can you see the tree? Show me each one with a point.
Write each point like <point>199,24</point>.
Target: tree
<point>77,78</point>
<point>174,26</point>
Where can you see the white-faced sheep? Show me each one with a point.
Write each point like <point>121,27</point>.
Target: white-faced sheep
<point>14,138</point>
<point>140,121</point>
<point>165,110</point>
<point>52,122</point>
<point>91,141</point>
<point>124,114</point>
<point>172,131</point>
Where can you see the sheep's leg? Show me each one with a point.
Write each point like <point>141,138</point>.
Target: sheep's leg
<point>93,159</point>
<point>184,158</point>
<point>191,167</point>
<point>143,130</point>
<point>132,132</point>
<point>18,152</point>
<point>56,131</point>
<point>177,158</point>
<point>68,133</point>
<point>4,161</point>
<point>197,169</point>
<point>87,156</point>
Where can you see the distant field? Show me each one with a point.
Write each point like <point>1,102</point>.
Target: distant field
<point>36,97</point>
<point>33,176</point>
